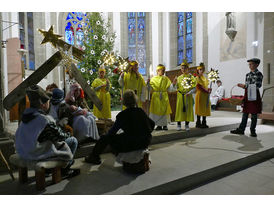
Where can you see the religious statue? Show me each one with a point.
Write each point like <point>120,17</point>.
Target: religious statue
<point>230,25</point>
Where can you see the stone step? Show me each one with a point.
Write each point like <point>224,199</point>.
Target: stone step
<point>167,136</point>
<point>192,181</point>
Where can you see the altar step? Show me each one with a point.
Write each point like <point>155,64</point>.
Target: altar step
<point>170,135</point>
<point>187,183</point>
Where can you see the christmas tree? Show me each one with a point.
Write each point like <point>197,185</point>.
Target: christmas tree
<point>98,48</point>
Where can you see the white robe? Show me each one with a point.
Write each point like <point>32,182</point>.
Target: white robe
<point>219,94</point>
<point>84,126</point>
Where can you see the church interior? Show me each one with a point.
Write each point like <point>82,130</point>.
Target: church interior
<point>41,47</point>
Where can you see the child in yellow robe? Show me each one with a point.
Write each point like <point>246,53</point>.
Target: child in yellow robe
<point>159,105</point>
<point>202,103</point>
<point>133,80</point>
<point>102,85</point>
<point>184,105</point>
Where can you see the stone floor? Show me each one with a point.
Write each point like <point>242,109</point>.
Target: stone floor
<point>170,161</point>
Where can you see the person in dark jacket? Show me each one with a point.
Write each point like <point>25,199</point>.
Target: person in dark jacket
<point>252,103</point>
<point>136,126</point>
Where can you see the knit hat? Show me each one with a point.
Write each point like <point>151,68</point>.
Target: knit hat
<point>57,96</point>
<point>37,95</point>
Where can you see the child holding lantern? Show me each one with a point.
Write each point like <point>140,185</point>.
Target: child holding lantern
<point>185,85</point>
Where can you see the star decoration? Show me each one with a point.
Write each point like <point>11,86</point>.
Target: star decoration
<point>67,58</point>
<point>49,36</point>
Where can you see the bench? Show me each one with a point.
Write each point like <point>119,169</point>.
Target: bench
<point>39,167</point>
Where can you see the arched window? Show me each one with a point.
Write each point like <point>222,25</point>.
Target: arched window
<point>74,34</point>
<point>30,39</point>
<point>185,38</point>
<point>136,39</point>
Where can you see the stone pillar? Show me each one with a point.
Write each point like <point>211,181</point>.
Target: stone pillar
<point>2,119</point>
<point>268,61</point>
<point>166,42</point>
<point>155,40</point>
<point>205,40</point>
<point>173,40</point>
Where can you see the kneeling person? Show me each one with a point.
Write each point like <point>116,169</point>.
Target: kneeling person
<point>136,126</point>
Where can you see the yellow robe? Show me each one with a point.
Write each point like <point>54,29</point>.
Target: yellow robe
<point>202,103</point>
<point>159,104</point>
<point>184,105</point>
<point>134,83</point>
<point>104,96</point>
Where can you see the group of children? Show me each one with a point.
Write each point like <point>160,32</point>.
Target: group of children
<point>159,111</point>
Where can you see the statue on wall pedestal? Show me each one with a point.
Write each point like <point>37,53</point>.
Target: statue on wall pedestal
<point>230,25</point>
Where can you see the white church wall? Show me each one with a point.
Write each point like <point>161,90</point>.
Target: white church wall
<point>234,69</point>
<point>199,37</point>
<point>117,30</point>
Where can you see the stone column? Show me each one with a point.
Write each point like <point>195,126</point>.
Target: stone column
<point>268,61</point>
<point>2,119</point>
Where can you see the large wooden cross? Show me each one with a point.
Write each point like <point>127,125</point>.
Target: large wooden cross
<point>20,91</point>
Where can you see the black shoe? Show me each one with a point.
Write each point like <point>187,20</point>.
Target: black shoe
<point>158,128</point>
<point>69,173</point>
<point>253,134</point>
<point>165,128</point>
<point>204,125</point>
<point>237,131</point>
<point>198,125</point>
<point>93,159</point>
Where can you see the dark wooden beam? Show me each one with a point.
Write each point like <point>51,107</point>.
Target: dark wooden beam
<point>20,91</point>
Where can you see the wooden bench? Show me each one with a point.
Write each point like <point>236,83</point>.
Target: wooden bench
<point>39,167</point>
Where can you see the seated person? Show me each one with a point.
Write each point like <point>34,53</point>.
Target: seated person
<point>218,95</point>
<point>83,123</point>
<point>38,137</point>
<point>55,101</point>
<point>136,126</point>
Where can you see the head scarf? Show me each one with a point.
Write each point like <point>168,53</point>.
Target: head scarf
<point>70,97</point>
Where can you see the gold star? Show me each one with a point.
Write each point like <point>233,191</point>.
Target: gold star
<point>67,58</point>
<point>49,36</point>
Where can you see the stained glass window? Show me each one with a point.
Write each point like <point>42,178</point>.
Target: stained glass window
<point>74,30</point>
<point>30,42</point>
<point>136,39</point>
<point>185,39</point>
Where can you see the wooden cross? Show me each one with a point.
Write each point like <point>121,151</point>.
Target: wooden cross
<point>20,91</point>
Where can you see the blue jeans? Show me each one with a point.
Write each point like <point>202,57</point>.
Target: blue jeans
<point>72,143</point>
